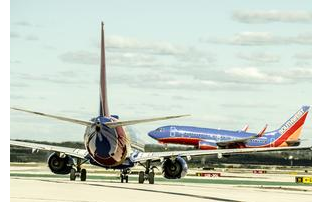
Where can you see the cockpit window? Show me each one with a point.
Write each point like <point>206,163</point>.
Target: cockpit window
<point>159,129</point>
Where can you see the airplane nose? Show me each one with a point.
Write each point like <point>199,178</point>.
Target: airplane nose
<point>152,134</point>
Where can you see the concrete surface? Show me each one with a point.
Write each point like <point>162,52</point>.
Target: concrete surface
<point>37,184</point>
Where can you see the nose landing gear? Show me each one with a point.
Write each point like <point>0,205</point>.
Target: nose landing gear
<point>124,175</point>
<point>78,172</point>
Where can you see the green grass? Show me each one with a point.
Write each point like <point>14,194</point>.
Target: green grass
<point>183,180</point>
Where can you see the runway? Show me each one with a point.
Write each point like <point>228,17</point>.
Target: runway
<point>39,185</point>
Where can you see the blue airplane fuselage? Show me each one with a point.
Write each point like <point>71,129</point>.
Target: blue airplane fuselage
<point>209,138</point>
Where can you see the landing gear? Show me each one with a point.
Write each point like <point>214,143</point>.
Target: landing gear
<point>83,175</point>
<point>78,172</point>
<point>123,178</point>
<point>148,174</point>
<point>72,175</point>
<point>124,175</point>
<point>151,177</point>
<point>141,177</point>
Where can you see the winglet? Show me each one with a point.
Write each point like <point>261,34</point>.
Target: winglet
<point>245,128</point>
<point>262,131</point>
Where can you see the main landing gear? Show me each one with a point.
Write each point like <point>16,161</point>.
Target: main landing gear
<point>124,175</point>
<point>76,171</point>
<point>148,174</point>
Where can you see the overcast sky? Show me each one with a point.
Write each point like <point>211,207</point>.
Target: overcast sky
<point>227,63</point>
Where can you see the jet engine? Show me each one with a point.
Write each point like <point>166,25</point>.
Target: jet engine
<point>174,169</point>
<point>60,165</point>
<point>205,145</point>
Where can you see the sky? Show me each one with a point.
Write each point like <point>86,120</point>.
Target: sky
<point>227,63</point>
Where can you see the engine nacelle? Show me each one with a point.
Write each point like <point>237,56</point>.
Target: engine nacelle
<point>59,165</point>
<point>174,169</point>
<point>206,145</point>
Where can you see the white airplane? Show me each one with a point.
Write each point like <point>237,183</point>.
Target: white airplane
<point>107,146</point>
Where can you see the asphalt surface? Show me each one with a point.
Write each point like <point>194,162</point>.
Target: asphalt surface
<point>37,184</point>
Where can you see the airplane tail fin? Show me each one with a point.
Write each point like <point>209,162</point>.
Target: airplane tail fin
<point>103,92</point>
<point>290,131</point>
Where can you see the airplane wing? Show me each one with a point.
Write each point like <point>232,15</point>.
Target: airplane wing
<point>241,140</point>
<point>132,122</point>
<point>76,121</point>
<point>78,153</point>
<point>155,156</point>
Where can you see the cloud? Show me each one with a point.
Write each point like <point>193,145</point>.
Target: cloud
<point>22,23</point>
<point>303,59</point>
<point>17,97</point>
<point>132,59</point>
<point>248,38</point>
<point>303,39</point>
<point>14,35</point>
<point>303,56</point>
<point>128,45</point>
<point>261,39</point>
<point>131,44</point>
<point>260,57</point>
<point>80,57</point>
<point>244,105</point>
<point>300,74</point>
<point>255,17</point>
<point>18,84</point>
<point>180,82</point>
<point>134,53</point>
<point>31,37</point>
<point>252,75</point>
<point>15,62</point>
<point>52,78</point>
<point>181,98</point>
<point>25,24</point>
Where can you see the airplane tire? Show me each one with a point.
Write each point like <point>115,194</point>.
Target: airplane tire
<point>83,175</point>
<point>72,175</point>
<point>121,178</point>
<point>151,177</point>
<point>126,179</point>
<point>141,177</point>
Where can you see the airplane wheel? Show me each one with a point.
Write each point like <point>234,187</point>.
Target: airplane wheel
<point>126,179</point>
<point>121,178</point>
<point>151,177</point>
<point>83,175</point>
<point>141,177</point>
<point>72,175</point>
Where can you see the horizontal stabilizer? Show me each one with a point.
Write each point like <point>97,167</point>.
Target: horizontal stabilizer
<point>132,122</point>
<point>76,121</point>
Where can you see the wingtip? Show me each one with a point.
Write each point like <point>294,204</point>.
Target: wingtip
<point>184,115</point>
<point>262,131</point>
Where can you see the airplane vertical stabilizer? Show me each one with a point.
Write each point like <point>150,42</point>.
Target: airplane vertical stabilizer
<point>103,92</point>
<point>291,129</point>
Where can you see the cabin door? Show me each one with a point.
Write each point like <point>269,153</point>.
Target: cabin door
<point>173,131</point>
